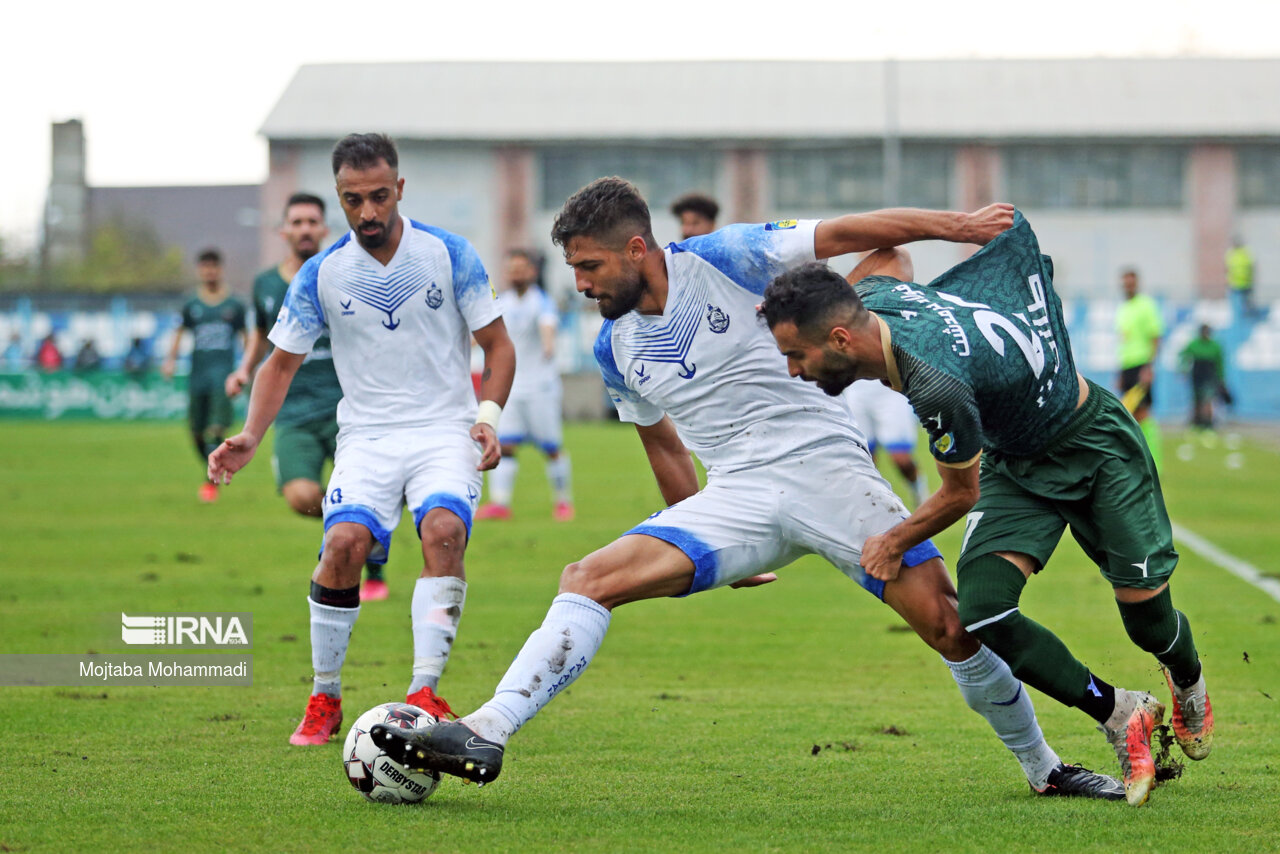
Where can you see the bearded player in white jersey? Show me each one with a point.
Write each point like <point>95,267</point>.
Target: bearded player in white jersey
<point>787,473</point>
<point>400,301</point>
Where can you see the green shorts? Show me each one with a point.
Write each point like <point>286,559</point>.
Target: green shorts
<point>208,408</point>
<point>299,450</point>
<point>1097,476</point>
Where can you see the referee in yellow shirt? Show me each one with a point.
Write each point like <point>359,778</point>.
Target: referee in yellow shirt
<point>1140,327</point>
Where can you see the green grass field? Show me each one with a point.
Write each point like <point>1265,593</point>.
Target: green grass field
<point>752,719</point>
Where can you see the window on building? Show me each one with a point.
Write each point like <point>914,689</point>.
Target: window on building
<point>661,174</point>
<point>1095,176</point>
<point>852,177</point>
<point>1258,171</point>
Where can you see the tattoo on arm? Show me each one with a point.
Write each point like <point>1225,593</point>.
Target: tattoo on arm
<point>486,374</point>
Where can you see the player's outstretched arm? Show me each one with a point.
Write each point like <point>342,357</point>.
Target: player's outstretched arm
<point>268,393</point>
<point>895,226</point>
<point>882,553</point>
<point>670,460</point>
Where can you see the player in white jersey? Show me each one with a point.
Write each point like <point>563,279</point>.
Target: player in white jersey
<point>887,420</point>
<point>533,412</point>
<point>400,302</point>
<point>787,473</point>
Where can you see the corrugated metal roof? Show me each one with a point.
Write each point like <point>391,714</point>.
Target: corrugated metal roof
<point>734,100</point>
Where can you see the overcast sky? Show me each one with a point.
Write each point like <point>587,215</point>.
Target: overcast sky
<point>174,92</point>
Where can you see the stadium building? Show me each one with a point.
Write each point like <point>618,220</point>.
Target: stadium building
<point>1155,164</point>
<point>1150,163</point>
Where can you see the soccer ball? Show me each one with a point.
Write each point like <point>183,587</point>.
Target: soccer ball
<point>374,774</point>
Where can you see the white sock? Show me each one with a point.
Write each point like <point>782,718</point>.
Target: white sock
<point>330,635</point>
<point>990,688</point>
<point>551,659</point>
<point>558,474</point>
<point>435,612</point>
<point>502,481</point>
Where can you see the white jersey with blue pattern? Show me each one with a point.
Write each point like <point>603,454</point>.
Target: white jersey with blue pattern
<point>524,316</point>
<point>710,364</point>
<point>400,333</point>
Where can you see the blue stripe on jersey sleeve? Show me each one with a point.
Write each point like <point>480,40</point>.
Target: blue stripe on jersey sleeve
<point>603,349</point>
<point>470,279</point>
<point>302,299</point>
<point>743,252</point>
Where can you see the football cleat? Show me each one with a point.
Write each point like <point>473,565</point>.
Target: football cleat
<point>429,702</point>
<point>208,492</point>
<point>1192,718</point>
<point>1132,743</point>
<point>321,721</point>
<point>563,511</point>
<point>373,590</point>
<point>448,747</point>
<point>1078,781</point>
<point>494,511</point>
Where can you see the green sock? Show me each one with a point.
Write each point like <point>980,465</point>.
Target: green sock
<point>1156,627</point>
<point>373,571</point>
<point>989,588</point>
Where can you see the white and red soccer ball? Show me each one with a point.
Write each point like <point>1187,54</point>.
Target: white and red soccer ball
<point>374,774</point>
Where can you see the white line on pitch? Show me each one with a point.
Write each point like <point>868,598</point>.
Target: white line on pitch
<point>1232,564</point>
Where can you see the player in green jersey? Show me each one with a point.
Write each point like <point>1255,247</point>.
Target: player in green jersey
<point>306,430</point>
<point>215,319</point>
<point>982,353</point>
<point>1203,363</point>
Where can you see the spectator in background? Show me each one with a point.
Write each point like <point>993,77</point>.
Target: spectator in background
<point>697,213</point>
<point>137,362</point>
<point>87,358</point>
<point>48,359</point>
<point>1140,327</point>
<point>1202,360</point>
<point>1240,273</point>
<point>14,358</point>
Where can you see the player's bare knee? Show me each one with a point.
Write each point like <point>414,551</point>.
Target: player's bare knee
<point>443,531</point>
<point>304,497</point>
<point>586,578</point>
<point>345,548</point>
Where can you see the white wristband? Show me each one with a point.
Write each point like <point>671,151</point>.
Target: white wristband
<point>489,413</point>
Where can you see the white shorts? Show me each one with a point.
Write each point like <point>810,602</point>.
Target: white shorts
<point>825,502</point>
<point>883,415</point>
<point>533,419</point>
<point>376,476</point>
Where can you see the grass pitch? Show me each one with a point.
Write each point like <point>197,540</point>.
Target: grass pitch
<point>794,717</point>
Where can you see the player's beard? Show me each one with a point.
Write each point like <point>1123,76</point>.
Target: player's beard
<point>836,373</point>
<point>375,240</point>
<point>307,250</point>
<point>626,296</point>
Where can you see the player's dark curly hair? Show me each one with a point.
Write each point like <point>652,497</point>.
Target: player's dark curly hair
<point>304,199</point>
<point>812,297</point>
<point>364,150</point>
<point>209,256</point>
<point>700,203</point>
<point>610,210</point>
